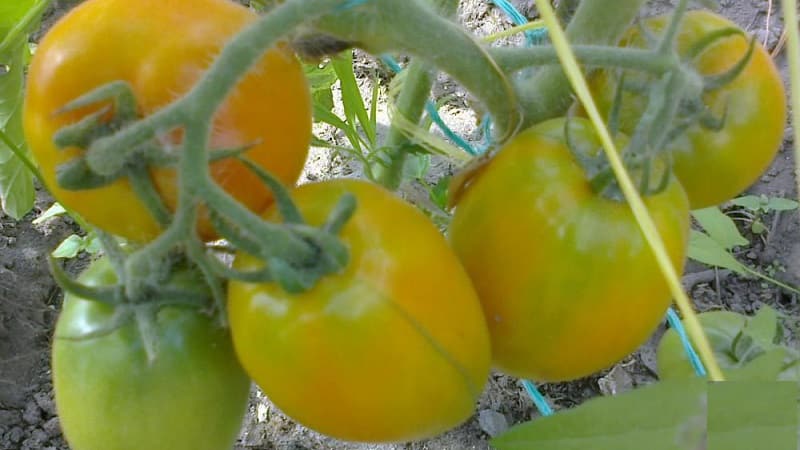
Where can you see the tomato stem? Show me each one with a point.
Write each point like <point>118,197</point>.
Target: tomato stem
<point>516,59</point>
<point>413,27</point>
<point>547,94</point>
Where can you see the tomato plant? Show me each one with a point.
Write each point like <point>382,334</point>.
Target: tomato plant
<point>747,348</point>
<point>110,397</point>
<point>395,347</point>
<point>161,49</point>
<point>566,280</point>
<point>716,162</point>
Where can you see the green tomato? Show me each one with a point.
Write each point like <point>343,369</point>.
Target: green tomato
<point>109,397</point>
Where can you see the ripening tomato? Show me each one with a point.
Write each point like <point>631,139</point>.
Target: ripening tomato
<point>393,348</point>
<point>161,49</point>
<point>714,166</point>
<point>567,282</point>
<point>193,396</point>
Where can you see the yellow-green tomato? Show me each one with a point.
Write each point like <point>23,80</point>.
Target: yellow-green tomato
<point>567,282</point>
<point>715,165</point>
<point>394,348</point>
<point>110,397</point>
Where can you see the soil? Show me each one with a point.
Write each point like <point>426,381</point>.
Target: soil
<point>29,298</point>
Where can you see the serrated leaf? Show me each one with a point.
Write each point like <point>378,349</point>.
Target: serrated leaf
<point>666,416</point>
<point>763,327</point>
<point>782,204</point>
<point>55,210</point>
<point>69,247</point>
<point>766,367</point>
<point>721,328</point>
<point>719,227</point>
<point>708,251</point>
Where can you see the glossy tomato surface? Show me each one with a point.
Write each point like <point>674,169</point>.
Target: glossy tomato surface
<point>716,165</point>
<point>394,348</point>
<point>567,283</point>
<point>109,397</point>
<point>161,48</point>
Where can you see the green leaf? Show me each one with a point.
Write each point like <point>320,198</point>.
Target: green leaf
<point>765,367</point>
<point>763,327</point>
<point>92,244</point>
<point>666,416</point>
<point>69,247</point>
<point>16,181</point>
<point>417,165</point>
<point>55,210</point>
<point>721,327</point>
<point>321,79</point>
<point>438,194</point>
<point>782,204</point>
<point>706,250</point>
<point>351,96</point>
<point>11,12</point>
<point>752,415</point>
<point>719,227</point>
<point>751,202</point>
<point>323,115</point>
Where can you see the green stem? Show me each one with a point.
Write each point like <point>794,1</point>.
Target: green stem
<point>21,28</point>
<point>547,93</point>
<point>515,59</point>
<point>21,154</point>
<point>413,27</point>
<point>785,286</point>
<point>277,240</point>
<point>793,47</point>
<point>410,105</point>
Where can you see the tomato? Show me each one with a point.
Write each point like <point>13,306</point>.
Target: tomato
<point>393,348</point>
<point>161,49</point>
<point>567,282</point>
<point>715,166</point>
<point>192,396</point>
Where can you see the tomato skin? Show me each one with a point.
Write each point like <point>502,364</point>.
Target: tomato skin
<point>108,397</point>
<point>393,348</point>
<point>567,283</point>
<point>715,166</point>
<point>90,46</point>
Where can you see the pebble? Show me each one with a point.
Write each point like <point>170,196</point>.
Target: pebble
<point>52,427</point>
<point>15,435</point>
<point>46,403</point>
<point>37,440</point>
<point>32,414</point>
<point>492,422</point>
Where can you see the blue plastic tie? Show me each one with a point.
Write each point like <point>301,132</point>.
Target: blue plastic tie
<point>534,37</point>
<point>677,325</point>
<point>538,399</point>
<point>430,108</point>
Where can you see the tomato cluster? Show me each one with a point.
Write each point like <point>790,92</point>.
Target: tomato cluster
<point>543,274</point>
